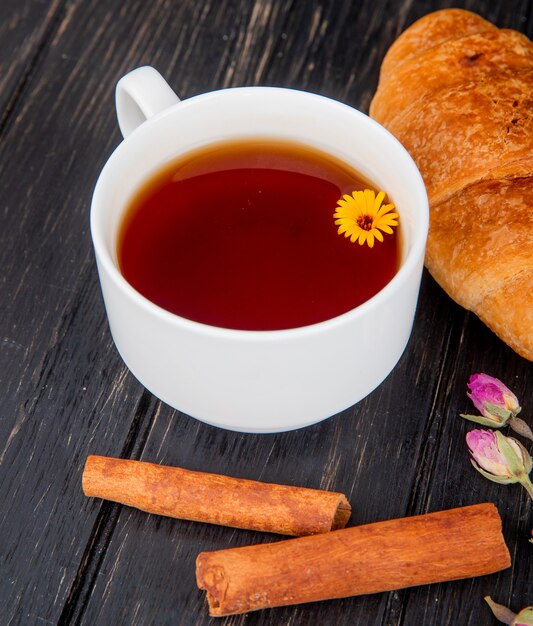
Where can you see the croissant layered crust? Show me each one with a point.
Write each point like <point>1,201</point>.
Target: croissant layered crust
<point>458,93</point>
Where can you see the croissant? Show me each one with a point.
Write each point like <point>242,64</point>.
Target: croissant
<point>458,93</point>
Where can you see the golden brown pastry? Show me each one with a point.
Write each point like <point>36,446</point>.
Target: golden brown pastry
<point>458,93</point>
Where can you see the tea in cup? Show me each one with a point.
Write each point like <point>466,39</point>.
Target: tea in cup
<point>229,291</point>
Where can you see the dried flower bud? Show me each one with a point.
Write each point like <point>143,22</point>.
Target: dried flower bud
<point>497,404</point>
<point>485,389</point>
<point>501,459</point>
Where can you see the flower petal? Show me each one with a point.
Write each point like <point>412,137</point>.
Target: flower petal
<point>377,234</point>
<point>386,208</point>
<point>502,480</point>
<point>356,202</point>
<point>385,222</point>
<point>390,217</point>
<point>377,202</point>
<point>369,201</point>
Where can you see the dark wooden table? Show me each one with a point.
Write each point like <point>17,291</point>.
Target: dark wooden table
<point>66,393</point>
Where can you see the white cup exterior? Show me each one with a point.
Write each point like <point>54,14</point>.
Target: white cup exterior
<point>258,381</point>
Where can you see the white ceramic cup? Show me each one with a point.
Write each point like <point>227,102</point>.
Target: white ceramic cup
<point>255,381</point>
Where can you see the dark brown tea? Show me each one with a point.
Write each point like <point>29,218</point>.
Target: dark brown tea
<point>242,235</point>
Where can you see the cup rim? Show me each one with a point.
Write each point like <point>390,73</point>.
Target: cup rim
<point>409,265</point>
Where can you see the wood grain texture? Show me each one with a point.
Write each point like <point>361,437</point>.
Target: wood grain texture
<point>67,560</point>
<point>26,29</point>
<point>63,384</point>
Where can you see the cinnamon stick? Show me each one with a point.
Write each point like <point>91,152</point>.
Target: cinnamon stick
<point>214,498</point>
<point>448,545</point>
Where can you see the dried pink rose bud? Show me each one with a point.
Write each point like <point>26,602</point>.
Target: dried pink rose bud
<point>506,616</point>
<point>486,455</point>
<point>497,404</point>
<point>501,459</point>
<point>485,389</point>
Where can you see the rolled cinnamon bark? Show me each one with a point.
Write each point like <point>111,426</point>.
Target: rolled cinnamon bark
<point>213,498</point>
<point>448,545</point>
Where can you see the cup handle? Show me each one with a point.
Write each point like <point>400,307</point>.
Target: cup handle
<point>139,95</point>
